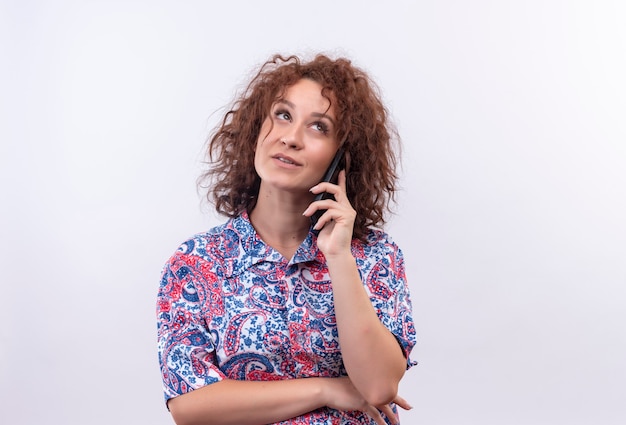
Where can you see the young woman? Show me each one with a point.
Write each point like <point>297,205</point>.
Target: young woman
<point>268,318</point>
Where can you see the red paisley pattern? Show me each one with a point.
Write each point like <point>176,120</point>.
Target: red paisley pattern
<point>229,306</point>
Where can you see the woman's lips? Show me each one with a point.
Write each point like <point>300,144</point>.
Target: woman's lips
<point>287,160</point>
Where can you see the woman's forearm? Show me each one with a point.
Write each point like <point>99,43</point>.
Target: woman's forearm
<point>247,402</point>
<point>371,354</point>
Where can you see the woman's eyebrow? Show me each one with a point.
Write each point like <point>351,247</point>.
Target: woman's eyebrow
<point>315,114</point>
<point>320,115</point>
<point>288,103</point>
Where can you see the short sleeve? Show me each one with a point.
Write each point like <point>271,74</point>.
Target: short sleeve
<point>389,293</point>
<point>185,347</point>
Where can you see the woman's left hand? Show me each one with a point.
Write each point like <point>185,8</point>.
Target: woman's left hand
<point>337,223</point>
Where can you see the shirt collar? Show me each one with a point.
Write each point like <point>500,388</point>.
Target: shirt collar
<point>252,249</point>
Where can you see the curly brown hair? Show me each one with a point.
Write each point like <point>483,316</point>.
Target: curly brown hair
<point>371,141</point>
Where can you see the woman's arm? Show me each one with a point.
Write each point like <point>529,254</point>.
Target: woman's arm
<point>371,354</point>
<point>246,402</point>
<point>263,402</point>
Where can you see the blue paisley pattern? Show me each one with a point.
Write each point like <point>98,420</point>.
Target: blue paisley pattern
<point>230,306</point>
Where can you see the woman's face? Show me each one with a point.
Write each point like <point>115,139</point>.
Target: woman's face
<point>297,140</point>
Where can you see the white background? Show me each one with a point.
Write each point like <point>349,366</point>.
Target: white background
<point>511,218</point>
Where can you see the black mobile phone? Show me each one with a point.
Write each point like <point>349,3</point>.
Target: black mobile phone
<point>331,175</point>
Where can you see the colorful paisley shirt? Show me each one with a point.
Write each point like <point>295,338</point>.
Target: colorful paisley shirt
<point>230,306</point>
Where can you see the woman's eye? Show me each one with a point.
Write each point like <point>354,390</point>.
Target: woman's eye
<point>321,127</point>
<point>282,115</point>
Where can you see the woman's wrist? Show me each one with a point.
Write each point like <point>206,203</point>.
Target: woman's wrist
<point>319,391</point>
<point>340,259</point>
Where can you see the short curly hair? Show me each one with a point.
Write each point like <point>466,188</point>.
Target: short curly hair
<point>371,141</point>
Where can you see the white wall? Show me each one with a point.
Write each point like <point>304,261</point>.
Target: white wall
<point>511,219</point>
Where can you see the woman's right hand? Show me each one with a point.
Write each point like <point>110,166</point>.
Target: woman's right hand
<point>340,394</point>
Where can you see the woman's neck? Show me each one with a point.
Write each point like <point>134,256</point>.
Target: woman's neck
<point>278,220</point>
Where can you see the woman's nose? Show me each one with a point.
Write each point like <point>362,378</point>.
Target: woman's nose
<point>292,140</point>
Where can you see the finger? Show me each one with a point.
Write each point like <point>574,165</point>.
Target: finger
<point>332,214</point>
<point>375,414</point>
<point>325,219</point>
<point>389,413</point>
<point>401,402</point>
<point>325,204</point>
<point>330,188</point>
<point>342,180</point>
<point>334,189</point>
